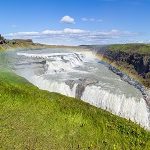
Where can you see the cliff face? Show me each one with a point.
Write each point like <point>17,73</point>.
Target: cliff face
<point>132,59</point>
<point>141,63</point>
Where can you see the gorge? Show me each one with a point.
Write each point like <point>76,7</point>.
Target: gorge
<point>82,75</point>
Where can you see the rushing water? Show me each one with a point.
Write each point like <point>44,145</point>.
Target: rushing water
<point>80,74</point>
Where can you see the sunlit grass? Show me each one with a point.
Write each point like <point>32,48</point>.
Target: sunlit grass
<point>36,119</point>
<point>132,48</point>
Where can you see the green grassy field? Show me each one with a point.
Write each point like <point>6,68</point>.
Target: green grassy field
<point>131,48</point>
<point>34,119</point>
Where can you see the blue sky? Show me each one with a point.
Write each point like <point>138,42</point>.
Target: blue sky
<point>73,22</point>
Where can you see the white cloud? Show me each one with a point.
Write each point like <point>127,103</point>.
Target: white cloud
<point>47,32</point>
<point>65,31</point>
<point>74,31</point>
<point>91,20</point>
<point>71,36</point>
<point>67,19</point>
<point>24,34</point>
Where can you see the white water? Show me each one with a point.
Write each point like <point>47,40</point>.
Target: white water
<point>79,74</point>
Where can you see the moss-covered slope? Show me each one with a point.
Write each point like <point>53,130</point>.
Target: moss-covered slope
<point>131,48</point>
<point>36,119</point>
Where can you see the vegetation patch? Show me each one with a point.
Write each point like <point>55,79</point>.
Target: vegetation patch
<point>26,44</point>
<point>37,119</point>
<point>131,48</point>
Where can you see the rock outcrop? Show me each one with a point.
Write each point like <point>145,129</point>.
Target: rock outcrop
<point>2,39</point>
<point>141,63</point>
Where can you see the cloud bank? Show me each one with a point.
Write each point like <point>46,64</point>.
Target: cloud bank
<point>70,36</point>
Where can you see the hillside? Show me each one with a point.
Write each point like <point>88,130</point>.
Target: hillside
<point>18,43</point>
<point>26,44</point>
<point>36,119</point>
<point>143,49</point>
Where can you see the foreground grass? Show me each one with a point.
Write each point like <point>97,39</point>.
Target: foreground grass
<point>36,119</point>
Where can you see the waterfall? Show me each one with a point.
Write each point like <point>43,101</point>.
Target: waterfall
<point>127,107</point>
<point>81,75</point>
<point>53,86</point>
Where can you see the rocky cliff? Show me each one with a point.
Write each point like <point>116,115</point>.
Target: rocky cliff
<point>141,63</point>
<point>136,64</point>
